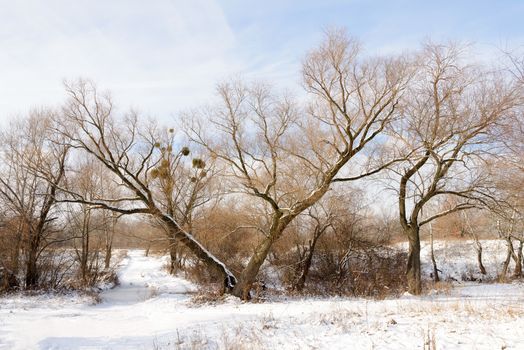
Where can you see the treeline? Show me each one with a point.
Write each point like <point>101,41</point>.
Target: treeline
<point>261,180</point>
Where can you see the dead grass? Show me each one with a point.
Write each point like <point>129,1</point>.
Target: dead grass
<point>440,288</point>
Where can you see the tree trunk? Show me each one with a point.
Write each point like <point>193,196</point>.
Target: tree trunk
<point>413,267</point>
<point>107,257</point>
<point>301,282</point>
<point>505,265</point>
<point>247,278</point>
<point>478,247</point>
<point>435,270</point>
<point>109,242</point>
<point>173,265</point>
<point>200,252</point>
<point>518,262</point>
<point>15,254</point>
<point>31,275</point>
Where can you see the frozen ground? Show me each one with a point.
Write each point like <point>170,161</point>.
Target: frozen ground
<point>457,260</point>
<point>152,310</point>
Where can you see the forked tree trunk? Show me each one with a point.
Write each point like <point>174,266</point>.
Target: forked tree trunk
<point>413,267</point>
<point>478,245</point>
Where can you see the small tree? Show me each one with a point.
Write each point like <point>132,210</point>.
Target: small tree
<point>33,168</point>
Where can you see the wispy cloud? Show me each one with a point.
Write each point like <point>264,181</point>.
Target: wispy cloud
<point>165,55</point>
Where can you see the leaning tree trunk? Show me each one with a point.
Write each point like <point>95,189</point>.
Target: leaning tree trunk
<point>413,267</point>
<point>247,278</point>
<point>200,252</point>
<point>249,274</point>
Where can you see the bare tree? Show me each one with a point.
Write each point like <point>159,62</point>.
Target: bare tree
<point>436,277</point>
<point>183,185</point>
<point>34,166</point>
<point>130,152</point>
<point>91,229</point>
<point>472,232</point>
<point>449,113</point>
<point>287,157</point>
<point>320,219</point>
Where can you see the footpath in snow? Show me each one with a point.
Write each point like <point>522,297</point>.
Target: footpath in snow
<point>141,278</point>
<point>152,310</point>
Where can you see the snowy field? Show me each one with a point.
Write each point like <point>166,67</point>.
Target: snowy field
<point>152,310</point>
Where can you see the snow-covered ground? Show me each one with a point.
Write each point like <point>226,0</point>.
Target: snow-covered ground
<point>457,259</point>
<point>152,310</point>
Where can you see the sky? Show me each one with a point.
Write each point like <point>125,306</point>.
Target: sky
<point>164,56</point>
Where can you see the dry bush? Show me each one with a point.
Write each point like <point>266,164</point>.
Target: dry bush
<point>440,287</point>
<point>366,271</point>
<point>56,268</point>
<point>228,233</point>
<point>8,281</point>
<point>348,262</point>
<point>8,255</point>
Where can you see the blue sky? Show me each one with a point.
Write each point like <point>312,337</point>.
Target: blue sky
<point>163,56</point>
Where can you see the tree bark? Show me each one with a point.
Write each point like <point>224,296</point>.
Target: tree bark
<point>478,247</point>
<point>518,262</point>
<point>301,282</point>
<point>436,277</point>
<point>109,242</point>
<point>510,255</point>
<point>247,278</point>
<point>413,267</point>
<point>200,252</point>
<point>31,275</point>
<point>173,264</point>
<point>107,257</point>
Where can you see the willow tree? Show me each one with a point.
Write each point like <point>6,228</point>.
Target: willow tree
<point>132,152</point>
<point>286,155</point>
<point>184,185</point>
<point>449,112</point>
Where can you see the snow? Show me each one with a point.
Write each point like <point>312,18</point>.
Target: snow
<point>142,277</point>
<point>457,260</point>
<point>151,309</point>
